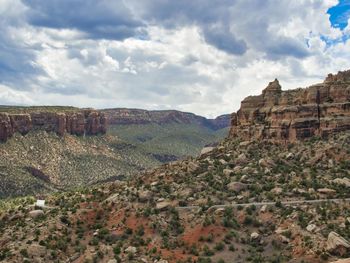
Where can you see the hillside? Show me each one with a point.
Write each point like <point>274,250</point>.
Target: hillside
<point>41,162</point>
<point>168,141</point>
<point>166,135</point>
<point>185,212</point>
<point>248,199</point>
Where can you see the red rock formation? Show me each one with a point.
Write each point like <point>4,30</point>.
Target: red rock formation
<point>5,127</point>
<point>49,121</point>
<point>21,123</point>
<point>321,109</point>
<point>61,124</point>
<point>103,123</point>
<point>96,123</point>
<point>77,123</point>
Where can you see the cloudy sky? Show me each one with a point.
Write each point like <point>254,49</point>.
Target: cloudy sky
<point>202,56</point>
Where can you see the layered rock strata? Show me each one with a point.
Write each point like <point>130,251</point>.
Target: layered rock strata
<point>291,115</point>
<point>86,122</point>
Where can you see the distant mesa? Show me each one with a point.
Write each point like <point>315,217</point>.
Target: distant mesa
<point>121,116</point>
<point>80,122</point>
<point>319,110</point>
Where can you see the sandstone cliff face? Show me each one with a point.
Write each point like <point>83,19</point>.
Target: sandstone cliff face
<point>87,122</point>
<point>291,115</point>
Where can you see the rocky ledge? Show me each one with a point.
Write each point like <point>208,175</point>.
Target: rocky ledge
<point>84,122</point>
<point>292,115</point>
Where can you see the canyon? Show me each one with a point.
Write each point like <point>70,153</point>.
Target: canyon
<point>291,115</point>
<point>80,122</point>
<point>49,148</point>
<point>248,198</point>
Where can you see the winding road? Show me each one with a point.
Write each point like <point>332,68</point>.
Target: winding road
<point>258,204</point>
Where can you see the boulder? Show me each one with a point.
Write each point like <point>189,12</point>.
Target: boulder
<point>266,163</point>
<point>236,186</point>
<point>112,198</point>
<point>326,191</point>
<point>227,172</point>
<point>36,250</point>
<point>145,196</point>
<point>206,150</point>
<point>237,169</point>
<point>290,156</point>
<point>277,190</point>
<point>311,228</point>
<point>284,239</point>
<point>242,159</point>
<point>336,244</point>
<point>263,209</point>
<point>163,205</point>
<point>184,193</point>
<point>192,167</point>
<point>219,211</point>
<point>131,250</point>
<point>244,144</point>
<point>222,161</point>
<point>254,236</point>
<point>154,183</point>
<point>36,213</point>
<point>342,181</point>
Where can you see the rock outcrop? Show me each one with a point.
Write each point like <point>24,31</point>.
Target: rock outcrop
<point>337,244</point>
<point>85,122</point>
<point>291,115</point>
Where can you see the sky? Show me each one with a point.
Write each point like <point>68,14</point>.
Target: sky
<point>201,56</point>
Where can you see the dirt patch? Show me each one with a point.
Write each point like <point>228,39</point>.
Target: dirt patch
<point>193,235</point>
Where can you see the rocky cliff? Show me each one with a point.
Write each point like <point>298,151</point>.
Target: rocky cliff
<point>137,116</point>
<point>82,122</point>
<point>291,115</point>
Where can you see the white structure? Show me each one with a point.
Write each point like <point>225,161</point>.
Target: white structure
<point>40,203</point>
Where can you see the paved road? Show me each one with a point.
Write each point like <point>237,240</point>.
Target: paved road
<point>296,202</point>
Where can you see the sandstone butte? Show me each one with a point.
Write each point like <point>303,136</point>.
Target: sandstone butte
<point>292,115</point>
<point>85,122</point>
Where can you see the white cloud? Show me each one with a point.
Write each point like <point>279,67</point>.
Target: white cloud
<point>10,97</point>
<point>179,65</point>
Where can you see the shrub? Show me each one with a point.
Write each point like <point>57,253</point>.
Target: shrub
<point>24,252</point>
<point>219,246</point>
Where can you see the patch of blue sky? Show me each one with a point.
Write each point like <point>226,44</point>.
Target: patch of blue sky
<point>340,14</point>
<point>334,41</point>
